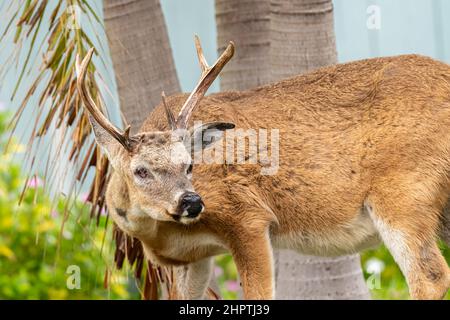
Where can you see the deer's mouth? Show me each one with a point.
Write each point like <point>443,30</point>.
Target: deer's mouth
<point>188,220</point>
<point>186,217</point>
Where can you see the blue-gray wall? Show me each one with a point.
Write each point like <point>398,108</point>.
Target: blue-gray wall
<point>407,26</point>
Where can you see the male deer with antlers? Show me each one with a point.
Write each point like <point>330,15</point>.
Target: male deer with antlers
<point>364,156</point>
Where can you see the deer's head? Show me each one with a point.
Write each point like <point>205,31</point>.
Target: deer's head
<point>157,166</point>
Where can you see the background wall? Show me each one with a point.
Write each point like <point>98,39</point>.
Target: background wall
<point>406,26</point>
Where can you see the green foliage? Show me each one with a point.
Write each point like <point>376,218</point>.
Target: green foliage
<point>227,277</point>
<point>35,252</point>
<point>392,283</point>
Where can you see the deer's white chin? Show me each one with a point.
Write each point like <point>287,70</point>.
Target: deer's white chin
<point>188,220</point>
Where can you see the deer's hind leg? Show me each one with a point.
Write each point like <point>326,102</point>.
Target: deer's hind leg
<point>444,230</point>
<point>407,221</point>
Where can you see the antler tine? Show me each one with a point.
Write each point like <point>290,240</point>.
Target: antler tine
<point>209,74</point>
<point>201,57</point>
<point>169,114</point>
<point>94,111</point>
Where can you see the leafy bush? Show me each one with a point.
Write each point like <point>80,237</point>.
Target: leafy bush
<point>227,277</point>
<point>35,253</point>
<point>392,284</point>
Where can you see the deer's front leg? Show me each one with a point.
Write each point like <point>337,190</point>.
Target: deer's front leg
<point>192,280</point>
<point>252,253</point>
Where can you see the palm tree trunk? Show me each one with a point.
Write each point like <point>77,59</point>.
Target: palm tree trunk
<point>246,22</point>
<point>141,55</point>
<point>301,36</point>
<point>277,39</point>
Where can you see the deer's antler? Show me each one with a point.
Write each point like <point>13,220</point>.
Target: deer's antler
<point>94,111</point>
<point>209,74</point>
<point>169,114</point>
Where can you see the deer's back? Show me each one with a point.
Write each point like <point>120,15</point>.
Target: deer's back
<point>340,128</point>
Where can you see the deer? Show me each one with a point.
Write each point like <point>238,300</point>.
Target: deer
<point>364,159</point>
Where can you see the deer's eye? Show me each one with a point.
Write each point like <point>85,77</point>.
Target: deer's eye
<point>189,169</point>
<point>142,173</point>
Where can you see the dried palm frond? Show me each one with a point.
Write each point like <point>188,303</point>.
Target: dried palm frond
<point>59,111</point>
<point>130,249</point>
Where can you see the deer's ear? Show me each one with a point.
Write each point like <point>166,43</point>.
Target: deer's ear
<point>107,142</point>
<point>206,134</point>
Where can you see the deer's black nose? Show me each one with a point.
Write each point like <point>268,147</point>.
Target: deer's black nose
<point>191,203</point>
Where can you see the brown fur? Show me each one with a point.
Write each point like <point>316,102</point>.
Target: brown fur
<point>364,155</point>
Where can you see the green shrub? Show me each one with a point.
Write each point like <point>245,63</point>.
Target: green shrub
<point>35,252</point>
<point>391,280</point>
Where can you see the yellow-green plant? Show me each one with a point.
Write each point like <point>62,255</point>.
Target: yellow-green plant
<point>391,284</point>
<point>36,253</point>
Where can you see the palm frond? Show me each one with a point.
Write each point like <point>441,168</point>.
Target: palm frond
<point>58,108</point>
